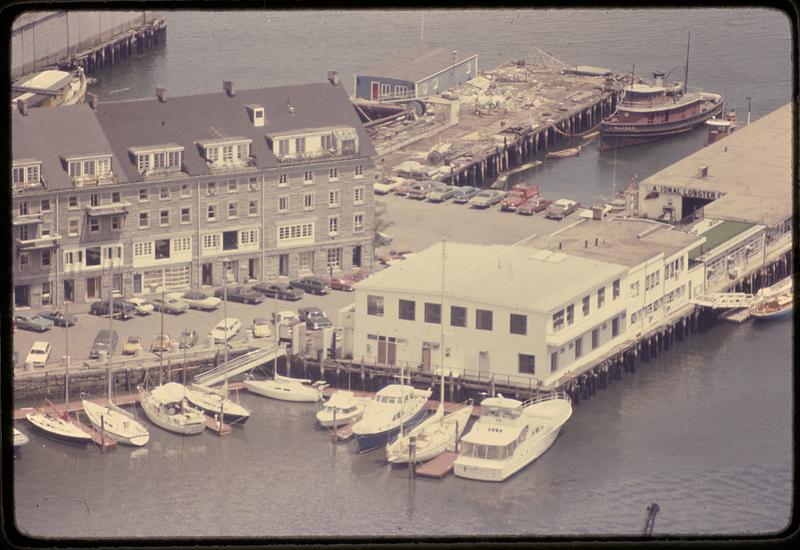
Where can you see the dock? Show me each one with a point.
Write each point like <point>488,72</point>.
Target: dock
<point>736,315</point>
<point>102,441</point>
<point>343,433</point>
<point>438,467</point>
<point>217,427</point>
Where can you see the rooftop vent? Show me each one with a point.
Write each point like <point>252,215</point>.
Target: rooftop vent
<point>289,106</point>
<point>256,115</point>
<point>333,77</point>
<point>702,172</point>
<point>161,94</point>
<point>227,85</point>
<point>92,100</point>
<point>22,106</point>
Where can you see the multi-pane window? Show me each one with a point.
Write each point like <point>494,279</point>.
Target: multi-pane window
<point>94,224</point>
<point>94,199</point>
<point>458,316</point>
<point>211,213</point>
<point>333,225</point>
<point>164,193</point>
<point>308,201</point>
<point>163,217</point>
<point>283,203</point>
<point>143,195</point>
<point>295,231</point>
<point>518,324</point>
<point>283,180</point>
<point>283,147</point>
<point>601,297</point>
<point>358,223</point>
<point>116,222</point>
<point>585,306</point>
<point>358,194</point>
<point>333,198</point>
<point>45,205</point>
<point>211,188</point>
<point>527,363</point>
<point>116,197</point>
<point>233,210</point>
<point>407,310</point>
<point>252,184</point>
<point>232,186</point>
<point>72,202</point>
<point>433,313</point>
<point>308,176</point>
<point>483,319</point>
<point>558,320</point>
<point>375,305</point>
<point>326,142</point>
<point>23,208</point>
<point>252,208</point>
<point>186,190</point>
<point>334,258</point>
<point>186,215</point>
<point>45,258</point>
<point>300,145</point>
<point>595,338</point>
<point>570,314</point>
<point>24,261</point>
<point>358,172</point>
<point>72,227</point>
<point>615,289</point>
<point>333,175</point>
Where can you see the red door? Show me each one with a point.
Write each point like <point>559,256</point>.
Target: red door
<point>376,91</point>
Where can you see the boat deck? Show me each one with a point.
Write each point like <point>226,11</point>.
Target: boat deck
<point>438,467</point>
<point>98,438</point>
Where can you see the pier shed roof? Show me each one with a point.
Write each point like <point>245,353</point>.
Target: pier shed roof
<point>417,64</point>
<point>752,166</point>
<point>516,277</point>
<point>627,241</point>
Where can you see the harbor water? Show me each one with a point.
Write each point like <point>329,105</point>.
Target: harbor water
<point>704,429</point>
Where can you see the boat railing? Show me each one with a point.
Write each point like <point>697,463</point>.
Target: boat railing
<point>546,397</point>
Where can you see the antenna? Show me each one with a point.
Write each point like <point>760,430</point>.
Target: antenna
<point>422,29</point>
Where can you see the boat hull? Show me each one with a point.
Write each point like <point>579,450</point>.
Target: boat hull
<point>117,424</point>
<point>268,388</point>
<point>785,313</point>
<point>432,440</point>
<point>58,429</point>
<point>191,423</point>
<point>232,412</point>
<point>371,441</point>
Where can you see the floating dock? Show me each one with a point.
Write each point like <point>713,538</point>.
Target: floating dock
<point>438,467</point>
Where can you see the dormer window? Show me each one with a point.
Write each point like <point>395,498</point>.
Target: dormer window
<point>26,173</point>
<point>314,143</point>
<point>158,158</point>
<point>226,152</point>
<point>90,170</point>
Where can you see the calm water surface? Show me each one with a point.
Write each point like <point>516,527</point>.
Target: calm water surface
<point>705,430</point>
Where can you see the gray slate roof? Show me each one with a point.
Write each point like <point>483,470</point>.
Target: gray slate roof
<point>417,63</point>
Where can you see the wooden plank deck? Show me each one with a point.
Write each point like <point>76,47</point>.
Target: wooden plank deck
<point>104,442</point>
<point>343,433</point>
<point>736,315</point>
<point>217,427</point>
<point>438,467</point>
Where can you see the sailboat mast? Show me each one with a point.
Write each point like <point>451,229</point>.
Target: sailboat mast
<point>66,372</point>
<point>614,176</point>
<point>686,72</point>
<point>161,341</point>
<point>110,328</point>
<point>441,336</point>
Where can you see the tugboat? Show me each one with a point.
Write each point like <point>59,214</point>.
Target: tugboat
<point>649,112</point>
<point>718,128</point>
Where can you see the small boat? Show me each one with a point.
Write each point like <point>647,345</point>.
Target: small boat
<point>58,428</point>
<point>395,407</point>
<point>216,403</point>
<point>719,128</point>
<point>343,407</point>
<point>436,434</point>
<point>776,302</point>
<point>563,153</point>
<point>117,423</point>
<point>287,389</point>
<point>50,88</point>
<point>166,407</point>
<point>20,439</point>
<point>511,434</point>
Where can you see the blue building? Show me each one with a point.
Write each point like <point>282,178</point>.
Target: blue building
<point>419,72</point>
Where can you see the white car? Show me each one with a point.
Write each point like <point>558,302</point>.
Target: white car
<point>143,307</point>
<point>261,328</point>
<point>219,334</point>
<point>384,186</point>
<point>198,300</point>
<point>39,354</point>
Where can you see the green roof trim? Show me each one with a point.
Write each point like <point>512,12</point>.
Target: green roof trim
<point>717,235</point>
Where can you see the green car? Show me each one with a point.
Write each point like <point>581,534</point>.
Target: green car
<point>169,305</point>
<point>32,321</point>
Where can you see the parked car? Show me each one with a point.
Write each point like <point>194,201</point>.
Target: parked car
<point>441,192</point>
<point>59,318</point>
<point>419,190</point>
<point>561,209</point>
<point>487,198</point>
<point>314,318</point>
<point>32,321</point>
<point>532,206</point>
<point>142,306</point>
<point>404,187</point>
<point>465,193</point>
<point>122,310</point>
<point>358,275</point>
<point>341,283</point>
<point>198,300</point>
<point>188,338</point>
<point>132,344</point>
<point>39,354</point>
<point>161,343</point>
<point>517,196</point>
<point>312,285</point>
<point>219,334</point>
<point>240,294</point>
<point>105,340</point>
<point>384,186</point>
<point>170,305</point>
<point>261,328</point>
<point>282,291</point>
<point>393,255</point>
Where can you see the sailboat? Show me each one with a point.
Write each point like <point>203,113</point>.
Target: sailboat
<point>286,388</point>
<point>110,419</point>
<point>215,402</point>
<point>55,424</point>
<point>437,433</point>
<point>20,439</point>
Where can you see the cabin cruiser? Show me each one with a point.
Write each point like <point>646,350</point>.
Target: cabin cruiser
<point>395,407</point>
<point>343,407</point>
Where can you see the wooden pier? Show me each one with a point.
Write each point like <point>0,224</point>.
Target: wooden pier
<point>217,427</point>
<point>438,467</point>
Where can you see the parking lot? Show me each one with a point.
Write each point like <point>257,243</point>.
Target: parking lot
<point>415,226</point>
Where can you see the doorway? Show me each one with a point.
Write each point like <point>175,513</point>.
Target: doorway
<point>483,361</point>
<point>376,91</point>
<point>22,296</point>
<point>69,290</point>
<point>357,256</point>
<point>426,356</point>
<point>283,265</point>
<point>93,288</point>
<point>137,283</point>
<point>387,350</point>
<point>252,268</point>
<point>207,277</point>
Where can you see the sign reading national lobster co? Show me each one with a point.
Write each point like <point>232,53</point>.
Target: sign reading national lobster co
<point>687,192</point>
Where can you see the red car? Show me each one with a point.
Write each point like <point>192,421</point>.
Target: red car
<point>393,255</point>
<point>356,276</point>
<point>341,283</point>
<point>532,206</point>
<point>404,187</point>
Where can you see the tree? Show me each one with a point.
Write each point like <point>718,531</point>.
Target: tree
<point>381,223</point>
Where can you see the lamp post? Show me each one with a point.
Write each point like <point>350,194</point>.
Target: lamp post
<point>748,110</point>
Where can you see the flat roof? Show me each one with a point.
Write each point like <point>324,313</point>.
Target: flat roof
<point>717,235</point>
<point>516,277</point>
<point>416,64</point>
<point>626,241</point>
<point>753,166</point>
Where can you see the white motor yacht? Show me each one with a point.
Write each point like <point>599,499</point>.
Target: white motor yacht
<point>396,406</point>
<point>166,407</point>
<point>344,407</point>
<point>511,434</point>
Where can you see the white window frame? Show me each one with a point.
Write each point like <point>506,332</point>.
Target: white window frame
<point>211,213</point>
<point>359,194</point>
<point>283,204</point>
<point>333,226</point>
<point>358,228</point>
<point>308,204</point>
<point>147,219</point>
<point>235,206</point>
<point>333,174</point>
<point>334,198</point>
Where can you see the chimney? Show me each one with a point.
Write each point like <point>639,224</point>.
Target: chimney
<point>161,94</point>
<point>92,100</point>
<point>596,240</point>
<point>227,85</point>
<point>559,246</point>
<point>585,244</point>
<point>22,106</point>
<point>333,77</point>
<point>702,172</point>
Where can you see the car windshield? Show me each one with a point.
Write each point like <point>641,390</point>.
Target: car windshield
<point>38,351</point>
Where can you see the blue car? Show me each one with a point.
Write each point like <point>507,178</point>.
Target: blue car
<point>463,194</point>
<point>32,321</point>
<point>59,318</point>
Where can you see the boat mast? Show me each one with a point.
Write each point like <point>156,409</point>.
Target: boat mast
<point>110,328</point>
<point>66,372</point>
<point>441,336</point>
<point>686,72</point>
<point>161,341</point>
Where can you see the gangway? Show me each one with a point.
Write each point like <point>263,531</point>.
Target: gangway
<point>243,363</point>
<point>723,300</point>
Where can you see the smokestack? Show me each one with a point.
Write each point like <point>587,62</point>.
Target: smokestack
<point>161,94</point>
<point>227,85</point>
<point>92,100</point>
<point>333,77</point>
<point>585,244</point>
<point>22,106</point>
